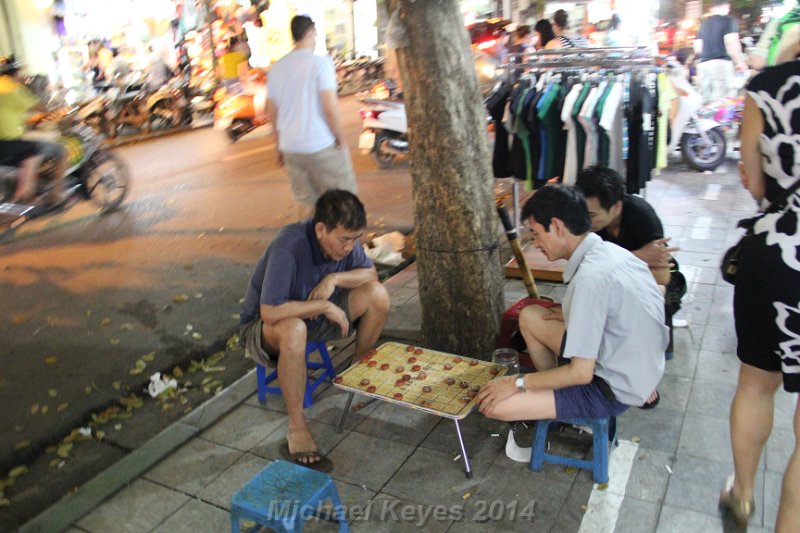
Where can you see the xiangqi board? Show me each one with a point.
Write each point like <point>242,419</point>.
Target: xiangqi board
<point>439,383</point>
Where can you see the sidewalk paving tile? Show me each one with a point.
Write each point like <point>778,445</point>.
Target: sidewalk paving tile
<point>324,435</point>
<point>397,423</point>
<point>649,475</point>
<point>244,427</point>
<point>363,460</point>
<point>657,429</point>
<point>220,491</point>
<point>718,366</point>
<point>711,398</point>
<point>196,516</point>
<point>139,507</point>
<point>637,515</point>
<point>696,482</point>
<point>678,520</point>
<point>705,437</point>
<point>191,468</point>
<point>388,514</point>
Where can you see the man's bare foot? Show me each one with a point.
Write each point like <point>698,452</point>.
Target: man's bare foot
<point>301,442</point>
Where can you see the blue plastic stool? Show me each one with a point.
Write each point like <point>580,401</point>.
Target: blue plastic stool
<point>604,430</point>
<point>263,381</point>
<point>283,496</point>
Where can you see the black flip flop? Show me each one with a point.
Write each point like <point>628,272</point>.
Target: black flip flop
<point>650,405</point>
<point>322,465</point>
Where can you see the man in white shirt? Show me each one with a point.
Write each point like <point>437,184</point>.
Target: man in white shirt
<point>303,105</point>
<point>614,317</point>
<point>719,53</point>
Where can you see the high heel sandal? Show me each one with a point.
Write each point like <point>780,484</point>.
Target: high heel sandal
<point>739,510</point>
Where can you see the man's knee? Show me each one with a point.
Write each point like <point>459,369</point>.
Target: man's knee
<point>530,318</point>
<point>287,335</point>
<point>375,296</point>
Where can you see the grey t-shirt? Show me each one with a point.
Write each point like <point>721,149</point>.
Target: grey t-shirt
<point>614,313</point>
<point>712,33</point>
<point>291,267</point>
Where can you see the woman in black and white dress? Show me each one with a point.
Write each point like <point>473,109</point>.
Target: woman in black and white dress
<point>767,293</point>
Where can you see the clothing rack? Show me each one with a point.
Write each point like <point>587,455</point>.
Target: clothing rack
<point>627,58</point>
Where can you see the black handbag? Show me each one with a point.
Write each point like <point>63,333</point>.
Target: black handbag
<point>730,261</point>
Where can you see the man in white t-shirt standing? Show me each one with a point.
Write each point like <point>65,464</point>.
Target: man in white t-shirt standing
<point>303,105</point>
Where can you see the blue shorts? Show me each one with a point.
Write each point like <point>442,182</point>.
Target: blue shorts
<point>586,401</point>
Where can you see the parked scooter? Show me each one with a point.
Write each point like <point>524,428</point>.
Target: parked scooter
<point>385,132</point>
<point>94,174</point>
<point>701,138</point>
<point>240,112</point>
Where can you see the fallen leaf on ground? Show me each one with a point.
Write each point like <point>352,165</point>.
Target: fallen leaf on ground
<point>584,508</point>
<point>117,427</point>
<point>198,295</point>
<point>105,322</point>
<point>149,357</point>
<point>44,410</point>
<point>197,336</point>
<point>114,342</point>
<point>100,434</point>
<point>177,372</point>
<point>50,360</point>
<point>166,407</point>
<point>4,502</point>
<point>34,408</point>
<point>132,401</point>
<point>116,385</point>
<point>136,371</point>
<point>570,470</point>
<point>178,298</point>
<point>602,486</point>
<point>87,390</point>
<point>64,449</point>
<point>55,462</point>
<point>22,445</point>
<point>17,471</point>
<point>52,393</point>
<point>18,320</point>
<point>188,267</point>
<point>635,440</point>
<point>127,326</point>
<point>62,407</point>
<point>88,313</point>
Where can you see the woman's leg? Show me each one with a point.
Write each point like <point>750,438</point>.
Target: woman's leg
<point>789,509</point>
<point>751,423</point>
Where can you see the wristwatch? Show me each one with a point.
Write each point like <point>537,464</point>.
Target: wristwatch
<point>520,383</point>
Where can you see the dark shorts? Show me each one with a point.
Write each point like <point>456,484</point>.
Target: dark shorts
<point>12,153</point>
<point>586,401</point>
<point>318,330</point>
<point>766,338</point>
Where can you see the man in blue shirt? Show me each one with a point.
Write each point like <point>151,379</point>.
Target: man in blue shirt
<point>314,282</point>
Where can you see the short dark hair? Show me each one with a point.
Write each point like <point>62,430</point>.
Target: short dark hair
<point>301,24</point>
<point>558,201</point>
<point>337,207</point>
<point>605,184</point>
<point>522,31</point>
<point>561,18</point>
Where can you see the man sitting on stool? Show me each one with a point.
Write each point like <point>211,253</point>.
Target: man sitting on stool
<point>312,283</point>
<point>613,311</point>
<point>632,223</point>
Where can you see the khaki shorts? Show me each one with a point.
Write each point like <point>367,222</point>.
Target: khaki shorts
<point>310,175</point>
<point>318,330</point>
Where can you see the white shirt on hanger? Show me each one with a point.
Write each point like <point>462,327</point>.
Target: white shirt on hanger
<point>587,121</point>
<point>611,121</point>
<point>571,163</point>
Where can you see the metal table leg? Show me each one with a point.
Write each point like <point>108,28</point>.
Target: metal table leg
<point>344,414</point>
<point>463,449</point>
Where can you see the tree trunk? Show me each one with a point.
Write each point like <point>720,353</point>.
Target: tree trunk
<point>460,277</point>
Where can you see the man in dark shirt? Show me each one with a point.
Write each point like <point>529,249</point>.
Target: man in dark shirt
<point>631,223</point>
<point>718,49</point>
<point>312,283</point>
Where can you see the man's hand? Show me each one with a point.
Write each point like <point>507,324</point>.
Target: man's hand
<point>656,253</point>
<point>335,314</point>
<point>324,289</point>
<point>494,392</point>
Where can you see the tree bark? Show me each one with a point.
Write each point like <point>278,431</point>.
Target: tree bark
<point>460,276</point>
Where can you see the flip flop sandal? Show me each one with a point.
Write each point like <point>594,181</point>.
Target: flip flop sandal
<point>651,404</point>
<point>735,508</point>
<point>322,465</point>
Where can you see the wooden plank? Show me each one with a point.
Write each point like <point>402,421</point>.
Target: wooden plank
<point>540,267</point>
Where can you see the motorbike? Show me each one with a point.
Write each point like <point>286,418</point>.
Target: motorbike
<point>702,139</point>
<point>94,173</point>
<point>385,130</point>
<point>236,111</point>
